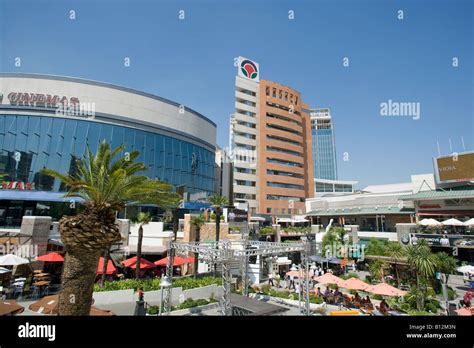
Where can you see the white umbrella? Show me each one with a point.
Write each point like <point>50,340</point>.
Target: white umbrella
<point>466,269</point>
<point>4,270</point>
<point>430,222</point>
<point>452,222</point>
<point>469,222</point>
<point>12,260</point>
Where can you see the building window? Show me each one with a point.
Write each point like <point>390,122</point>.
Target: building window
<point>267,90</point>
<point>283,210</point>
<point>288,186</point>
<point>269,210</point>
<point>276,210</point>
<point>280,94</point>
<point>274,92</point>
<point>286,96</point>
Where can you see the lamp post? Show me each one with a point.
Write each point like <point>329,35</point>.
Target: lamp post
<point>164,283</point>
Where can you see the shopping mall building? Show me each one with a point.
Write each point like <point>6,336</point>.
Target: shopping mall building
<point>47,122</point>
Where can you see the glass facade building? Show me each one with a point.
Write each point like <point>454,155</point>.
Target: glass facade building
<point>324,145</point>
<point>176,144</point>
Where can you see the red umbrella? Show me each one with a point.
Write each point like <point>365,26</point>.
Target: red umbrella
<point>385,289</point>
<point>190,259</point>
<point>132,263</point>
<point>356,284</point>
<point>51,257</point>
<point>329,278</point>
<point>110,267</point>
<point>177,261</point>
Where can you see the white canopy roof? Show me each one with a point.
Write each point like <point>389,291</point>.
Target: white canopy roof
<point>4,270</point>
<point>469,222</point>
<point>452,222</point>
<point>12,260</point>
<point>466,269</point>
<point>430,222</point>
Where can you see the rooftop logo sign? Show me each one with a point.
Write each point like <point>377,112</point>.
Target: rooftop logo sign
<point>248,69</point>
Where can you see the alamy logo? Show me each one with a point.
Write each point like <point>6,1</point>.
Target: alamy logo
<point>37,331</point>
<point>393,108</point>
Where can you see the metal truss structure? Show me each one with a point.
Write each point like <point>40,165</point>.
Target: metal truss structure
<point>224,253</point>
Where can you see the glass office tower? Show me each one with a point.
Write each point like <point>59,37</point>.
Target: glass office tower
<point>324,144</point>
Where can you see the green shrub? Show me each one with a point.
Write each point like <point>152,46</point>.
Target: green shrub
<point>265,288</point>
<point>154,284</point>
<point>378,297</point>
<point>315,299</point>
<point>416,312</point>
<point>153,310</point>
<point>452,294</point>
<point>266,230</point>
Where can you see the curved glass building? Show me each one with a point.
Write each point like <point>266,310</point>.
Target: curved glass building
<point>47,121</point>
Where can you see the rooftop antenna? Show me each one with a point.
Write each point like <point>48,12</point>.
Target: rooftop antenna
<point>439,149</point>
<point>450,146</point>
<point>463,145</point>
<point>424,182</point>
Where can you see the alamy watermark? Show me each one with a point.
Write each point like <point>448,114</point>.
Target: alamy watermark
<point>403,109</point>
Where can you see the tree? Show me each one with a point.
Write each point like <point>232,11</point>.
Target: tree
<point>396,252</point>
<point>141,219</point>
<point>423,263</point>
<point>333,240</point>
<point>217,202</point>
<point>445,264</point>
<point>375,247</point>
<point>197,222</point>
<point>106,182</point>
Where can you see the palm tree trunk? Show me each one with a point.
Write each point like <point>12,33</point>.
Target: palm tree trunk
<point>397,275</point>
<point>218,230</point>
<point>139,251</point>
<point>77,286</point>
<point>196,255</point>
<point>104,267</point>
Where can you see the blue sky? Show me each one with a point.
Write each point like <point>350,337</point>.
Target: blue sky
<point>191,62</point>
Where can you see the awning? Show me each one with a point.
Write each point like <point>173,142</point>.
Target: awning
<point>110,267</point>
<point>31,195</point>
<point>51,257</point>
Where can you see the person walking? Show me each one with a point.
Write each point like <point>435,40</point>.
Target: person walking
<point>270,279</point>
<point>292,282</point>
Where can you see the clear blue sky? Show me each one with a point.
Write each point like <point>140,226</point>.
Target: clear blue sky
<point>191,62</point>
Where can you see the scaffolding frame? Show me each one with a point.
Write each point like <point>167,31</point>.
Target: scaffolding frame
<point>223,253</point>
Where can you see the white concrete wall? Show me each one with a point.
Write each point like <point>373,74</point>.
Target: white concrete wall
<point>153,234</point>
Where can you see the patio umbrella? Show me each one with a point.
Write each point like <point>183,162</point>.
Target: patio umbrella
<point>334,261</point>
<point>464,312</point>
<point>4,270</point>
<point>46,305</point>
<point>12,260</point>
<point>318,259</point>
<point>177,261</point>
<point>100,312</point>
<point>329,278</point>
<point>452,222</point>
<point>356,284</point>
<point>385,290</point>
<point>49,305</point>
<point>469,222</point>
<point>144,264</point>
<point>466,269</point>
<point>110,267</point>
<point>430,222</point>
<point>10,307</point>
<point>51,257</point>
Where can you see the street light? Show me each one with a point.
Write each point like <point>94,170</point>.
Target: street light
<point>164,283</point>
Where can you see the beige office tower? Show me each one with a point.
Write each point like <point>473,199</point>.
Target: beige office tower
<point>270,141</point>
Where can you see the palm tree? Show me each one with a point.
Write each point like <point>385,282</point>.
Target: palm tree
<point>217,202</point>
<point>396,252</point>
<point>142,219</point>
<point>423,263</point>
<point>446,264</point>
<point>106,182</point>
<point>197,222</point>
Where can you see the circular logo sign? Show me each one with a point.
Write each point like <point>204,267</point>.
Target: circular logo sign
<point>249,69</point>
<point>405,238</point>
